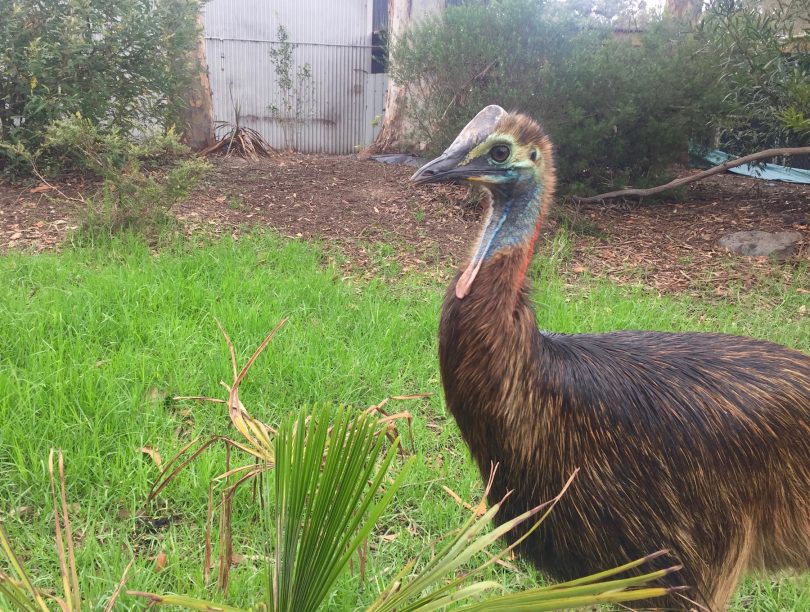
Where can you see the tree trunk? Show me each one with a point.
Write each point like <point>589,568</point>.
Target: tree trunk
<point>684,10</point>
<point>394,128</point>
<point>198,122</point>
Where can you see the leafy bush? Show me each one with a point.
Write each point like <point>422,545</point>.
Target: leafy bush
<point>766,73</point>
<point>121,64</point>
<point>618,109</point>
<point>140,180</point>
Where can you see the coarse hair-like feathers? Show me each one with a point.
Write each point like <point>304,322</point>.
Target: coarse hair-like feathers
<point>699,443</point>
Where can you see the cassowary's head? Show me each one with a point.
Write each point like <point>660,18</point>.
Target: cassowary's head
<point>510,156</point>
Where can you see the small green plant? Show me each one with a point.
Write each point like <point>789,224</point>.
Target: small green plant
<point>139,202</point>
<point>235,203</point>
<point>296,90</point>
<point>136,191</point>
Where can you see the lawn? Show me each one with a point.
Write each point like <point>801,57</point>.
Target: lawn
<point>95,343</point>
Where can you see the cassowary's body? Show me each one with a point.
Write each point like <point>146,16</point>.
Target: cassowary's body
<point>699,443</point>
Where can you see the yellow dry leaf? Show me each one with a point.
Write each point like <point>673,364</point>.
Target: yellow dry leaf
<point>154,454</point>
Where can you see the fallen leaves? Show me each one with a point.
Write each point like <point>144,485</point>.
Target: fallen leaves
<point>154,455</point>
<point>672,249</point>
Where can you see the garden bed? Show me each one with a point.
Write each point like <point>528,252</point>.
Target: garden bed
<point>357,205</point>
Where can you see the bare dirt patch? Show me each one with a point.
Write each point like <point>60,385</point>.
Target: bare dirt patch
<point>32,219</point>
<point>673,246</point>
<point>354,205</point>
<point>342,201</point>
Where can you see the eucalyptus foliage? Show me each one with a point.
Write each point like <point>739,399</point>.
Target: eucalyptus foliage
<point>619,104</point>
<point>119,63</point>
<point>764,51</point>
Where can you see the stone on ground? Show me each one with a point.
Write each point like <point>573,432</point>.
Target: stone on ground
<point>758,243</point>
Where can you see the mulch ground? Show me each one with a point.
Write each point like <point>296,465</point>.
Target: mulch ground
<point>354,205</point>
<point>673,247</point>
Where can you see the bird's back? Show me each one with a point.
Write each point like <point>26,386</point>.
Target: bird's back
<point>652,383</point>
<point>702,435</point>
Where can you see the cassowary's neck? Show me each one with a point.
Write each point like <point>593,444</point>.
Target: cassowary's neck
<point>488,339</point>
<point>510,230</point>
<point>488,343</point>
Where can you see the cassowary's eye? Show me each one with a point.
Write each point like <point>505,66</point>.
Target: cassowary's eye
<point>533,156</point>
<point>499,153</point>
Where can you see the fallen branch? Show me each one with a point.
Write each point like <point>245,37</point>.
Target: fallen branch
<point>699,176</point>
<point>54,187</point>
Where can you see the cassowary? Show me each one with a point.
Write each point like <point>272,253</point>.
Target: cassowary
<point>694,442</point>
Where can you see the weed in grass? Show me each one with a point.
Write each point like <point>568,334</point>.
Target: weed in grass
<point>235,203</point>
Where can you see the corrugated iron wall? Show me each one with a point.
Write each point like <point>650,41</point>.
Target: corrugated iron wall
<point>339,101</point>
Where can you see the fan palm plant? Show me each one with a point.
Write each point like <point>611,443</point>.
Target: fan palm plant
<point>327,492</point>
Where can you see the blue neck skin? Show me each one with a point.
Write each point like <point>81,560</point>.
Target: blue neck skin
<point>515,207</point>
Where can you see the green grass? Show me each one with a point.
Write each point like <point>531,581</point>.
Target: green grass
<point>95,341</point>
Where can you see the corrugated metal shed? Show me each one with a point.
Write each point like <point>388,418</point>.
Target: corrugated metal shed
<point>336,106</point>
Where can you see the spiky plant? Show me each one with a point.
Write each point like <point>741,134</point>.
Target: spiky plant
<point>327,492</point>
<point>18,588</point>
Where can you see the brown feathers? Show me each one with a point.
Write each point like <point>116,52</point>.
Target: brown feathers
<point>525,130</point>
<point>699,443</point>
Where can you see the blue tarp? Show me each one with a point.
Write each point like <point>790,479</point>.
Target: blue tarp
<point>766,172</point>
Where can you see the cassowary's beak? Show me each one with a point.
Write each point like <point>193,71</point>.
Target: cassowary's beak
<point>445,168</point>
<point>453,165</point>
<point>449,166</point>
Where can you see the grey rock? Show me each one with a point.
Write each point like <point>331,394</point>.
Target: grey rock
<point>757,243</point>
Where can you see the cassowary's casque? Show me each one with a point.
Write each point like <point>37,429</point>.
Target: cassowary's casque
<point>698,443</point>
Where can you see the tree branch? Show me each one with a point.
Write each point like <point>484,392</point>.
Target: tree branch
<point>466,86</point>
<point>733,163</point>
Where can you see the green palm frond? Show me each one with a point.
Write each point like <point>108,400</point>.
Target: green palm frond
<point>438,586</point>
<point>326,481</point>
<point>328,492</point>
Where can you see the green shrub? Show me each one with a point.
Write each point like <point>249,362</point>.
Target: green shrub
<point>140,180</point>
<point>766,73</point>
<point>617,110</point>
<point>79,143</point>
<point>122,64</point>
<point>138,202</point>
